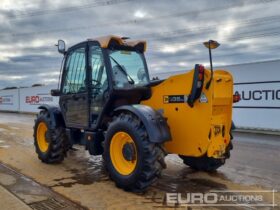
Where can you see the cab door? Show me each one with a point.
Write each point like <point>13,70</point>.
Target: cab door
<point>99,84</point>
<point>74,98</point>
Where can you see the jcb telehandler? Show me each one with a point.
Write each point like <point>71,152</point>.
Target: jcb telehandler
<point>109,104</point>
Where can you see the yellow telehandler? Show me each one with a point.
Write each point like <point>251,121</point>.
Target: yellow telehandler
<point>108,103</point>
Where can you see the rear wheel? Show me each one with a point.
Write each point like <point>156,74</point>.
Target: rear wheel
<point>205,163</point>
<point>133,162</point>
<point>50,143</point>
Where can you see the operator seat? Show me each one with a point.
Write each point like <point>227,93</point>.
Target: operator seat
<point>121,80</point>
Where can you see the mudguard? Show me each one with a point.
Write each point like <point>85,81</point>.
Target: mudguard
<point>55,115</point>
<point>155,124</point>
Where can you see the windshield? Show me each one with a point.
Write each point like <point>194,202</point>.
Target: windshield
<point>128,68</point>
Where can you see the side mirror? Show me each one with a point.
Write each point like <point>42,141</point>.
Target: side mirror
<point>61,46</point>
<point>55,92</point>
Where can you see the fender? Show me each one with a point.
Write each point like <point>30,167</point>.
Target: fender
<point>55,115</point>
<point>155,124</point>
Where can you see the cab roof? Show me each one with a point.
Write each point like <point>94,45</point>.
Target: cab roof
<point>107,41</point>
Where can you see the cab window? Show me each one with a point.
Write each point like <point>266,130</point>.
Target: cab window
<point>75,76</point>
<point>128,68</point>
<point>99,74</point>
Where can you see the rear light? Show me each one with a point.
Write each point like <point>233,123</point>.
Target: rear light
<point>201,69</point>
<point>236,97</point>
<point>200,76</point>
<point>197,85</point>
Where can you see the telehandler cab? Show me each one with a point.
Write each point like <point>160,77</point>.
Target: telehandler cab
<point>109,104</point>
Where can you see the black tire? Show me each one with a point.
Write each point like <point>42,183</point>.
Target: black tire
<point>150,156</point>
<point>56,138</point>
<point>205,163</point>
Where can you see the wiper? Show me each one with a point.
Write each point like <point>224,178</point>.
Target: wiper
<point>131,81</point>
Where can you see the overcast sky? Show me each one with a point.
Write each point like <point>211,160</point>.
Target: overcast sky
<point>248,31</point>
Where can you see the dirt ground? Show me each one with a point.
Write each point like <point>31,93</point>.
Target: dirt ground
<point>254,166</point>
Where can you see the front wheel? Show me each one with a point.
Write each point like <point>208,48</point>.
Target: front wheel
<point>50,143</point>
<point>133,162</point>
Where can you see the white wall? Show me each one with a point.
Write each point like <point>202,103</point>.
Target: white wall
<point>31,98</point>
<point>259,86</point>
<point>26,99</point>
<point>9,100</point>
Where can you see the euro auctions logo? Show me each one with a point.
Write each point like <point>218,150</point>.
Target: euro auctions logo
<point>263,198</point>
<point>38,99</point>
<point>214,198</point>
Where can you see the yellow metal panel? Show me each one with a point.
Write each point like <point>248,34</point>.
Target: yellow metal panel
<point>190,127</point>
<point>105,40</point>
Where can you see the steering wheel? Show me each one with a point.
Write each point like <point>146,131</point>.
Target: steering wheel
<point>97,84</point>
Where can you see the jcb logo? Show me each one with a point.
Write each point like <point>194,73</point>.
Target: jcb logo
<point>165,99</point>
<point>175,99</point>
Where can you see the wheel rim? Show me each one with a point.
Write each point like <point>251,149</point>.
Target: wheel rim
<point>120,163</point>
<point>41,137</point>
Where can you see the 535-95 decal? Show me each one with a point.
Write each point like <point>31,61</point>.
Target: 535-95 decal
<point>169,99</point>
